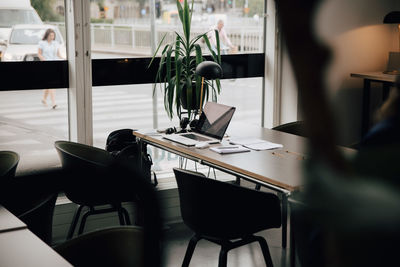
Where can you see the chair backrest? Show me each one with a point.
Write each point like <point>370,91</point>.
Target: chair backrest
<point>75,155</point>
<point>88,169</point>
<point>39,219</point>
<point>117,246</point>
<point>219,209</point>
<point>296,128</point>
<point>8,163</point>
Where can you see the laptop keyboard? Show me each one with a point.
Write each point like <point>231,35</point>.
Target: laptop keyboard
<point>195,137</point>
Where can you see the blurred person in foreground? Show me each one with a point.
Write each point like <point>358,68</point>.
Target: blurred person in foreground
<point>345,215</point>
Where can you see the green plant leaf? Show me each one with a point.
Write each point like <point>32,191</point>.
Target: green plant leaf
<point>178,85</point>
<point>169,81</point>
<point>199,59</point>
<point>218,82</point>
<point>213,55</point>
<point>189,93</point>
<point>191,12</point>
<point>194,40</point>
<point>155,53</point>
<point>180,11</point>
<point>218,47</point>
<point>186,21</point>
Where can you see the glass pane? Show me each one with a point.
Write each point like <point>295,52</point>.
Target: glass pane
<point>31,120</point>
<point>22,30</point>
<point>30,127</point>
<point>246,96</point>
<point>122,28</point>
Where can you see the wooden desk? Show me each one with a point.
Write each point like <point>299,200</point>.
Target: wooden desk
<point>276,169</point>
<point>386,80</point>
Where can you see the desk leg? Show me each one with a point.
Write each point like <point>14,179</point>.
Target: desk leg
<point>366,107</point>
<point>292,250</point>
<point>385,90</point>
<point>284,219</point>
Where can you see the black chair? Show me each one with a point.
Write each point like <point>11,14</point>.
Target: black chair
<point>221,212</point>
<point>296,128</point>
<point>91,182</point>
<point>39,219</point>
<point>118,246</point>
<point>8,163</point>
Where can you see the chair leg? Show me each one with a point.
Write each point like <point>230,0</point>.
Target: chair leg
<point>265,251</point>
<point>120,216</point>
<point>126,216</point>
<point>284,219</point>
<point>223,257</point>
<point>237,180</point>
<point>190,249</point>
<point>74,222</point>
<point>83,221</point>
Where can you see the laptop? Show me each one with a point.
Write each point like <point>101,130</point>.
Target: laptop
<point>393,65</point>
<point>211,127</point>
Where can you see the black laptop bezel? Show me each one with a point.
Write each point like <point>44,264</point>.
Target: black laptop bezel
<point>203,118</point>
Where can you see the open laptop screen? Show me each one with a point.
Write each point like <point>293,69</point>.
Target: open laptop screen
<point>214,120</point>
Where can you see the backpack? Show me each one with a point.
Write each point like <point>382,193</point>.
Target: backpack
<point>124,147</point>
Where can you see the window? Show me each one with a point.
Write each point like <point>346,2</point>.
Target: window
<point>122,45</point>
<point>29,124</point>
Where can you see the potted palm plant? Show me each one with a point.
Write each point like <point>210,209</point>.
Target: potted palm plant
<point>176,71</point>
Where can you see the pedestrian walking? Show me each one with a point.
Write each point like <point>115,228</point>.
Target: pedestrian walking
<point>225,43</point>
<point>49,49</point>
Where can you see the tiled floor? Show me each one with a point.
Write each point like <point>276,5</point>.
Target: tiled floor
<point>206,253</point>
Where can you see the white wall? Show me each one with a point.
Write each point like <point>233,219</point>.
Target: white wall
<point>360,42</point>
<point>289,102</point>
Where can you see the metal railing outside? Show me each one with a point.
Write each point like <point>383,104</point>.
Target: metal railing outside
<point>136,38</point>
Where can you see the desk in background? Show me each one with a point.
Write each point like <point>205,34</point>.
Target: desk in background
<point>386,80</point>
<point>279,170</point>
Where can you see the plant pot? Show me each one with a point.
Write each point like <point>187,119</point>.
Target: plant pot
<point>195,101</point>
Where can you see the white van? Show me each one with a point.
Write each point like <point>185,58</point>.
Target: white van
<point>14,12</point>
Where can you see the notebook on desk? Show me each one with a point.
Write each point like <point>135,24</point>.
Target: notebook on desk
<point>212,125</point>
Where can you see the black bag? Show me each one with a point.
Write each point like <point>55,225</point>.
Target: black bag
<point>122,144</point>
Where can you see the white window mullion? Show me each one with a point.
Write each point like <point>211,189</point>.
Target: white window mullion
<point>272,90</point>
<point>80,78</point>
<point>87,61</point>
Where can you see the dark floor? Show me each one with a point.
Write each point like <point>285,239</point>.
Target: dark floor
<point>206,253</point>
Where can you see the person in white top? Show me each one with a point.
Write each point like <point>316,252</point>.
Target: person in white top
<point>49,49</point>
<point>225,43</point>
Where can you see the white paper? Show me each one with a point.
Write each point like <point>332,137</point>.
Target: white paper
<point>264,146</point>
<point>254,143</point>
<point>229,149</point>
